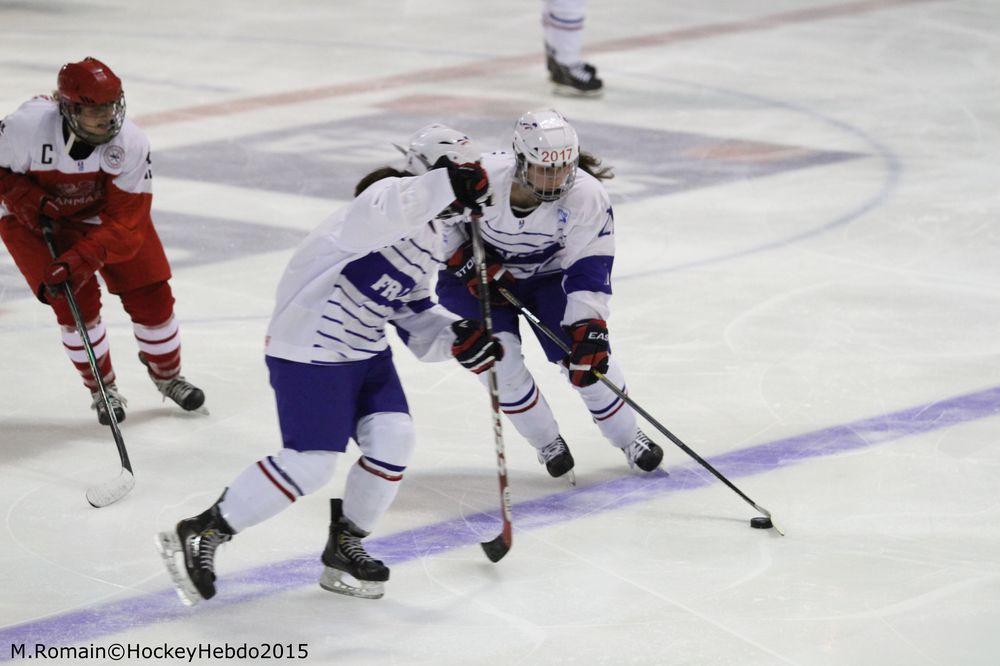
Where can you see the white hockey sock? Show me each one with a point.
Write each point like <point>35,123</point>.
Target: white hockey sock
<point>269,486</point>
<point>562,24</point>
<point>520,398</point>
<point>615,419</point>
<point>386,441</point>
<point>367,495</point>
<point>531,416</point>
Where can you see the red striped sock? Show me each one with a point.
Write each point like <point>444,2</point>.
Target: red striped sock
<point>160,347</point>
<point>77,353</point>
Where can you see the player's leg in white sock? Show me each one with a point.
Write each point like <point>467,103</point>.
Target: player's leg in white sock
<point>317,407</point>
<point>386,440</point>
<point>272,484</point>
<point>615,419</point>
<point>520,398</point>
<point>562,22</point>
<point>384,433</point>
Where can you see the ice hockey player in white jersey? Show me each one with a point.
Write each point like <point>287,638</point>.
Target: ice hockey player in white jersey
<point>367,265</point>
<point>549,235</point>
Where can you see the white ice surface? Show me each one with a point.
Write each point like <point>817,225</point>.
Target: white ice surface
<point>746,311</point>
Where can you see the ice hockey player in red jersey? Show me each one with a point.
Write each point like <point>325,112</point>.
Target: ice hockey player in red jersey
<point>74,159</point>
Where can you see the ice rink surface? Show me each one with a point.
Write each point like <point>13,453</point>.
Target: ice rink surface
<point>807,292</point>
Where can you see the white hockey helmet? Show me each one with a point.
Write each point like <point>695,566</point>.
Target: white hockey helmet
<point>547,151</point>
<point>435,141</point>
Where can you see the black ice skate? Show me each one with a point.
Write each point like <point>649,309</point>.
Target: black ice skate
<point>557,458</point>
<point>196,540</point>
<point>117,404</point>
<point>643,453</point>
<point>178,389</point>
<point>349,569</point>
<point>573,80</point>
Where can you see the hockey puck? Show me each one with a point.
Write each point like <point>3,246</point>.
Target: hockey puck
<point>761,523</point>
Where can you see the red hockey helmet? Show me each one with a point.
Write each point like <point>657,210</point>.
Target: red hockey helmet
<point>91,100</point>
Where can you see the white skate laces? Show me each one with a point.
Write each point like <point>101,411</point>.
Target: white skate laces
<point>642,452</point>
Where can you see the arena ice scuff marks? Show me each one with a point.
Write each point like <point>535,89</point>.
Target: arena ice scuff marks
<point>134,612</point>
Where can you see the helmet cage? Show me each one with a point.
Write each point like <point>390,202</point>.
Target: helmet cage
<point>544,146</point>
<point>91,85</point>
<point>71,111</point>
<point>545,173</point>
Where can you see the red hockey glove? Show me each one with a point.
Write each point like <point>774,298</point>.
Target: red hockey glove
<point>74,268</point>
<point>462,264</point>
<point>590,351</point>
<point>25,200</point>
<point>472,348</point>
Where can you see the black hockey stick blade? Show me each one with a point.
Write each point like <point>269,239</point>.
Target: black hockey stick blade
<point>110,492</point>
<point>496,549</point>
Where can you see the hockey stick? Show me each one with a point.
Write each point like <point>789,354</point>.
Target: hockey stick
<point>110,491</point>
<point>646,415</point>
<point>498,547</point>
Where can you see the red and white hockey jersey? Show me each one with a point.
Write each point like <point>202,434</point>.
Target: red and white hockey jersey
<point>107,195</point>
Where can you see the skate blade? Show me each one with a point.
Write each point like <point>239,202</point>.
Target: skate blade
<point>170,548</point>
<point>571,477</point>
<point>203,410</point>
<point>200,410</point>
<point>341,582</point>
<point>564,90</point>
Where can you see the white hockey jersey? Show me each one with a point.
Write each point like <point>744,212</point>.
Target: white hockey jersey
<point>368,264</point>
<point>573,236</point>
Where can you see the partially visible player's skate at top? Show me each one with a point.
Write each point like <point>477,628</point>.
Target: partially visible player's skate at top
<point>570,75</point>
